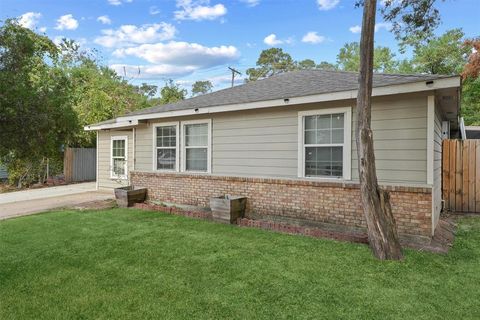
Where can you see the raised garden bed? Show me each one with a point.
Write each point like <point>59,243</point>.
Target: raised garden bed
<point>228,208</point>
<point>128,196</point>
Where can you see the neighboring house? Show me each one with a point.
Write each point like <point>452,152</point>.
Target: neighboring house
<point>472,132</point>
<point>288,144</point>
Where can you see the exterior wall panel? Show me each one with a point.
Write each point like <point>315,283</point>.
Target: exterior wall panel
<point>264,142</point>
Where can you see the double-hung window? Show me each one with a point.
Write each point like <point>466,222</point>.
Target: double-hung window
<point>166,147</point>
<point>118,161</point>
<point>196,146</point>
<point>325,143</point>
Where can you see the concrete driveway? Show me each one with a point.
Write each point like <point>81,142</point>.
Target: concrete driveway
<point>14,204</point>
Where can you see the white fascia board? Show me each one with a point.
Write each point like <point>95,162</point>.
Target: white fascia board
<point>118,124</point>
<point>430,137</point>
<point>333,96</point>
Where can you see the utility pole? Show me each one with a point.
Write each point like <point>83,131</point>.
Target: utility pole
<point>233,74</point>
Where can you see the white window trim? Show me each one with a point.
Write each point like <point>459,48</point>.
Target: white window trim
<point>347,145</point>
<point>112,175</point>
<point>177,146</point>
<point>209,144</point>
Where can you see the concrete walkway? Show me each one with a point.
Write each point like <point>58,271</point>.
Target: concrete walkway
<point>26,202</point>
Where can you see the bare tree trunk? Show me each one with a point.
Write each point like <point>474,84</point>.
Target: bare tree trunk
<point>382,232</point>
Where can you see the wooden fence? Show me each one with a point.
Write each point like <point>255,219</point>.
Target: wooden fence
<point>80,164</point>
<point>461,175</point>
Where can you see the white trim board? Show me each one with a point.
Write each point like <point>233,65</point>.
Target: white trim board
<point>117,124</point>
<point>209,144</point>
<point>430,137</point>
<point>113,138</point>
<point>97,182</point>
<point>177,145</point>
<point>347,144</point>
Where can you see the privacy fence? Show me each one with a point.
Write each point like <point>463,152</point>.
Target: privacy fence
<point>461,175</point>
<point>79,164</point>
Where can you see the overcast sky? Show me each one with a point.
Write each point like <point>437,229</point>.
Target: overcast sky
<point>189,40</point>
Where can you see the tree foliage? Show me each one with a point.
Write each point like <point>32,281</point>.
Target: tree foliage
<point>201,87</point>
<point>470,109</point>
<point>472,67</point>
<point>471,85</point>
<point>48,93</point>
<point>324,65</point>
<point>147,90</point>
<point>348,58</point>
<point>306,64</point>
<point>98,93</point>
<point>170,93</point>
<point>36,114</point>
<point>270,62</point>
<point>411,18</point>
<point>445,54</point>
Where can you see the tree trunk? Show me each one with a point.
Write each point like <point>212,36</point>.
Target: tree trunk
<point>382,232</point>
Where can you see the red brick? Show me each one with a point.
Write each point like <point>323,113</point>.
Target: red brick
<point>327,202</point>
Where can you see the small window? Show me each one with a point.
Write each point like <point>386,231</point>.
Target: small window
<point>325,149</point>
<point>196,138</point>
<point>166,147</point>
<point>119,158</point>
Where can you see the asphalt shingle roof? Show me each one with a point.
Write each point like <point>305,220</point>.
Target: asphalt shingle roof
<point>286,85</point>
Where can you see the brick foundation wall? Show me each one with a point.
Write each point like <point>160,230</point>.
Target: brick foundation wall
<point>315,201</point>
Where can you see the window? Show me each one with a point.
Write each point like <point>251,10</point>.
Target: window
<point>166,147</point>
<point>118,164</point>
<point>196,146</point>
<point>325,142</point>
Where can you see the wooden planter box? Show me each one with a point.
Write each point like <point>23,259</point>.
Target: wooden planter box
<point>128,196</point>
<point>228,208</point>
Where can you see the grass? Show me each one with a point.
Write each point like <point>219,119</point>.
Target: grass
<point>130,264</point>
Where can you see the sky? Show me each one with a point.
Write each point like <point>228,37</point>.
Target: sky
<point>189,40</point>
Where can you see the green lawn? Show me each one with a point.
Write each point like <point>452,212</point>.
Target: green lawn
<point>129,264</point>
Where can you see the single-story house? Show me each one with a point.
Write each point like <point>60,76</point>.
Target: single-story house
<point>288,143</point>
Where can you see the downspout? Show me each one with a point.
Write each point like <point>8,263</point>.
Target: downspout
<point>96,165</point>
<point>133,149</point>
<point>463,134</point>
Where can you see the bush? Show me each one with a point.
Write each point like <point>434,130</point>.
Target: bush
<point>25,172</point>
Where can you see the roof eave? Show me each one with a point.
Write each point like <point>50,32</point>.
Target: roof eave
<point>116,125</point>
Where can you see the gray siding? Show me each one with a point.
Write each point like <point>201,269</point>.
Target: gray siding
<point>399,126</point>
<point>437,167</point>
<point>264,142</point>
<point>256,143</point>
<point>104,154</point>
